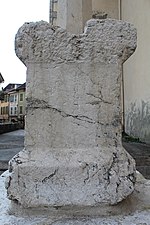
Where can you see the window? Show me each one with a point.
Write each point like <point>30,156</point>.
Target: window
<point>21,97</point>
<point>15,110</point>
<point>2,110</point>
<point>6,109</point>
<point>6,98</point>
<point>15,98</point>
<point>21,110</point>
<point>11,98</point>
<point>11,110</point>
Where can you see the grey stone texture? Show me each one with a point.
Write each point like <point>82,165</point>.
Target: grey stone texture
<point>135,210</point>
<point>73,153</point>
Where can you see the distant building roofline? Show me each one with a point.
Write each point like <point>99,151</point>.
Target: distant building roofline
<point>22,86</point>
<point>11,86</point>
<point>1,78</point>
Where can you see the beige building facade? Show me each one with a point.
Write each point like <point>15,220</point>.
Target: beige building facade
<point>4,107</point>
<point>136,72</point>
<point>73,14</point>
<point>136,79</point>
<point>111,8</point>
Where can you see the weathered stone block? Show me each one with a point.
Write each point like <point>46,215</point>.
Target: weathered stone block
<point>73,152</point>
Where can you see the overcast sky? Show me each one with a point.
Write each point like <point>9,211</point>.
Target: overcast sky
<point>13,14</point>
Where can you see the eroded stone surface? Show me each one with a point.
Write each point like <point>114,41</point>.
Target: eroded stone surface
<point>134,210</point>
<point>106,41</point>
<point>73,153</point>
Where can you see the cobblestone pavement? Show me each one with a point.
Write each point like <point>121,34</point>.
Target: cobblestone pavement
<point>11,143</point>
<point>141,153</point>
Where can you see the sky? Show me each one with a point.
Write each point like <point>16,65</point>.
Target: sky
<point>13,14</point>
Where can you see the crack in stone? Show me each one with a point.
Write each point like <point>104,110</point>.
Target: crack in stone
<point>41,104</point>
<point>118,184</point>
<point>132,178</point>
<point>37,191</point>
<point>101,99</point>
<point>96,173</point>
<point>37,104</point>
<point>50,176</point>
<point>88,173</point>
<point>88,169</point>
<point>108,173</point>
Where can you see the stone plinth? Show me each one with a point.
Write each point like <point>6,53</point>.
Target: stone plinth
<point>73,153</point>
<point>134,210</point>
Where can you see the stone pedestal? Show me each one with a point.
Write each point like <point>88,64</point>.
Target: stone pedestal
<point>73,153</point>
<point>134,210</point>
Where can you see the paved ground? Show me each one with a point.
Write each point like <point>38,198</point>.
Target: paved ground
<point>11,143</point>
<point>134,211</point>
<point>141,153</point>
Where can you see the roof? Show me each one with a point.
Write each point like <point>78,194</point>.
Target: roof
<point>11,86</point>
<point>21,87</point>
<point>1,78</point>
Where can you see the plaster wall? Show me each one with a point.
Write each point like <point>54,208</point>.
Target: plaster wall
<point>72,15</point>
<point>62,13</point>
<point>136,71</point>
<point>3,116</point>
<point>111,7</point>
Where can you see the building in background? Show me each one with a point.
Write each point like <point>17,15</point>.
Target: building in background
<point>1,92</point>
<point>136,72</point>
<point>12,106</point>
<point>53,11</point>
<point>73,17</point>
<point>1,78</point>
<point>1,81</point>
<point>5,103</point>
<point>10,87</point>
<point>4,109</point>
<point>21,103</point>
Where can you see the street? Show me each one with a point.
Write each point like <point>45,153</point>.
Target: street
<point>10,144</point>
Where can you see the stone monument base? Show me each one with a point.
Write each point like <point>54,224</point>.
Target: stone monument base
<point>71,177</point>
<point>134,210</point>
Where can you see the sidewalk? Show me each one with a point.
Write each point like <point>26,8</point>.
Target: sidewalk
<point>10,144</point>
<point>141,153</point>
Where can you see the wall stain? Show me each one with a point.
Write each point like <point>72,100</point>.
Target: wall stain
<point>137,120</point>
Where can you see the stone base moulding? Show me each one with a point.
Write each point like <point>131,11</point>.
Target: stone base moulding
<point>73,153</point>
<point>133,210</point>
<point>67,178</point>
